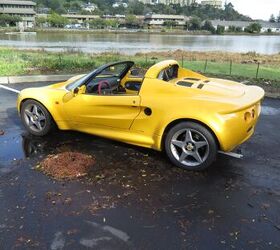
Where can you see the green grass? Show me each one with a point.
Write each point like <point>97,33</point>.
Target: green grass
<point>244,70</point>
<point>16,62</point>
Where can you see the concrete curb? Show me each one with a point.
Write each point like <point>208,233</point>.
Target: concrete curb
<point>34,78</point>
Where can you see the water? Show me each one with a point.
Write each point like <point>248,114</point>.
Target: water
<point>132,43</point>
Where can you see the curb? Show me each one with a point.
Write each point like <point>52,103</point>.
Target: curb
<point>35,78</point>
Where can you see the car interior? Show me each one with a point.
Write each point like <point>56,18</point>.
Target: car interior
<point>120,79</point>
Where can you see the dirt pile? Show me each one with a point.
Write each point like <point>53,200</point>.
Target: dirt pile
<point>67,165</point>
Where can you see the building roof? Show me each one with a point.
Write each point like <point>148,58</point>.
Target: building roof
<point>244,23</point>
<point>80,16</point>
<point>17,2</point>
<point>159,16</point>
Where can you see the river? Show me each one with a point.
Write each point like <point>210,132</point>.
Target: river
<point>131,43</point>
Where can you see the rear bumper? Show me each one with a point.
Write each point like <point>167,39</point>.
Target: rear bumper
<point>238,127</point>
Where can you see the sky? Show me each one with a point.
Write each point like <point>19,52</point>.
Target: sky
<point>257,9</point>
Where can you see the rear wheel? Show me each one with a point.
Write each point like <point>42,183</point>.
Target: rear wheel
<point>36,118</point>
<point>191,146</point>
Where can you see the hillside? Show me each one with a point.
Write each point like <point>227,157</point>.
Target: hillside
<point>138,8</point>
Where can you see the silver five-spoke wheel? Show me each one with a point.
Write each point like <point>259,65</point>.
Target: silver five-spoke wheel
<point>191,146</point>
<point>34,117</point>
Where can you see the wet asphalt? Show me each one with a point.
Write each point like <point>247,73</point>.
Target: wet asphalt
<point>134,198</point>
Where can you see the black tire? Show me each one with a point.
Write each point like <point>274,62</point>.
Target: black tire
<point>30,118</point>
<point>183,146</point>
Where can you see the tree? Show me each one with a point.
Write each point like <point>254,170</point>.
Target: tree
<point>220,30</point>
<point>238,29</point>
<point>40,21</point>
<point>208,26</point>
<point>56,20</point>
<point>195,23</point>
<point>170,24</point>
<point>97,23</point>
<point>8,20</point>
<point>272,19</point>
<point>253,28</point>
<point>131,21</point>
<point>278,18</point>
<point>232,28</point>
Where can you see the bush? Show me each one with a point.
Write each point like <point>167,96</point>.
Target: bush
<point>253,28</point>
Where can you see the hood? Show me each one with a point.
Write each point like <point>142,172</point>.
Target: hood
<point>63,84</point>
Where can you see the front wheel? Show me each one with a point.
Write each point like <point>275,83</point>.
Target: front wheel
<point>191,146</point>
<point>36,118</point>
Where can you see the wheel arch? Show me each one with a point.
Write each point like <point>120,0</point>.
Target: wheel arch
<point>177,121</point>
<point>27,99</point>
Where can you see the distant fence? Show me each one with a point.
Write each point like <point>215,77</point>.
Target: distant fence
<point>246,69</point>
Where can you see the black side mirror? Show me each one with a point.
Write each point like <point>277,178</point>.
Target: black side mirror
<point>76,91</point>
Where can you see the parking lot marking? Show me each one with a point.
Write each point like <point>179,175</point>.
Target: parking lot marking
<point>234,155</point>
<point>9,89</point>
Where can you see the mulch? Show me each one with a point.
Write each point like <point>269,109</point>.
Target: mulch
<point>67,165</point>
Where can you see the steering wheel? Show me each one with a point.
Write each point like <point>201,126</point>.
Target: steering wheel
<point>101,84</point>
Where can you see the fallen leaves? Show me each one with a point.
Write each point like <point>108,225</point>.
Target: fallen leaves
<point>67,165</point>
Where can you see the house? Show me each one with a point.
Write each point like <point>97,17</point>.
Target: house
<point>215,3</point>
<point>120,4</point>
<point>168,2</point>
<point>23,9</point>
<point>89,7</point>
<point>266,26</point>
<point>160,20</point>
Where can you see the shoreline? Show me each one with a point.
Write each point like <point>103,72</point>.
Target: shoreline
<point>132,31</point>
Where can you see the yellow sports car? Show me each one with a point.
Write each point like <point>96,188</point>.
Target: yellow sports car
<point>187,115</point>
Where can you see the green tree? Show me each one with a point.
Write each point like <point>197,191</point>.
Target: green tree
<point>278,18</point>
<point>195,23</point>
<point>112,23</point>
<point>170,24</point>
<point>56,20</point>
<point>238,29</point>
<point>8,20</point>
<point>232,28</point>
<point>40,21</point>
<point>98,23</point>
<point>220,30</point>
<point>136,8</point>
<point>253,28</point>
<point>132,21</point>
<point>272,19</point>
<point>208,26</point>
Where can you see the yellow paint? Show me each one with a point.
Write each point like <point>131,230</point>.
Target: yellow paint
<point>221,105</point>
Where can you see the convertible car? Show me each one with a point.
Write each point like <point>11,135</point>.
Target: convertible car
<point>189,116</point>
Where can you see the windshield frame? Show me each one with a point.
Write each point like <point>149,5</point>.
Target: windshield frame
<point>85,79</point>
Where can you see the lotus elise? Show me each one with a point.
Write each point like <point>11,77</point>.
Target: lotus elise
<point>168,108</point>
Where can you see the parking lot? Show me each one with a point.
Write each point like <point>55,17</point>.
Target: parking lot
<point>134,198</point>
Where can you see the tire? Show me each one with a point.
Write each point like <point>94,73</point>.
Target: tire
<point>190,146</point>
<point>36,118</point>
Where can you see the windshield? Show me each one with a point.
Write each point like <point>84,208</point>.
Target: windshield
<point>78,82</point>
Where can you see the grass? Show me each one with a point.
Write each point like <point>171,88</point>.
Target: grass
<point>244,70</point>
<point>24,62</point>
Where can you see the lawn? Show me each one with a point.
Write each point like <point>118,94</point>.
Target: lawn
<point>18,62</point>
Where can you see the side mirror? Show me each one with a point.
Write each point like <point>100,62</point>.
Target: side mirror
<point>76,91</point>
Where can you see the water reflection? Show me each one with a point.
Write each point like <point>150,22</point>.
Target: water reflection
<point>140,42</point>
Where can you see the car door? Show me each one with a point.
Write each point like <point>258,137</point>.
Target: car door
<point>92,109</point>
<point>107,111</point>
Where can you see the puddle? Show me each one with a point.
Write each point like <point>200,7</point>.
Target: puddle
<point>266,110</point>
